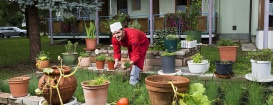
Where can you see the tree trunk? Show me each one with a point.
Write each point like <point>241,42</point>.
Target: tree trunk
<point>34,33</point>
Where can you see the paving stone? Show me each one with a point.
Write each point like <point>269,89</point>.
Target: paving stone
<point>32,100</point>
<point>16,101</point>
<point>4,97</point>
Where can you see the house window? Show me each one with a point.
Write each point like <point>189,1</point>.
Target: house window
<point>182,4</point>
<point>136,5</point>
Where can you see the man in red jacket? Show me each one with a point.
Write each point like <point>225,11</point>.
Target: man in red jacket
<point>137,44</point>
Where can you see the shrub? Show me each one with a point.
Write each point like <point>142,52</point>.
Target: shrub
<point>262,55</point>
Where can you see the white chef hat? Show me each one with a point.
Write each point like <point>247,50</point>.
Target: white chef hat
<point>115,26</point>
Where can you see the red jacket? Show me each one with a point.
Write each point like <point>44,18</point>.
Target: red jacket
<point>137,44</point>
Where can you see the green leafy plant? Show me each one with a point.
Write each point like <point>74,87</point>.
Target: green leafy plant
<point>135,25</point>
<point>110,59</point>
<point>262,55</point>
<point>171,37</point>
<point>101,57</point>
<point>90,31</point>
<point>188,38</point>
<point>194,96</point>
<point>269,101</point>
<point>43,56</point>
<point>100,80</point>
<point>225,62</point>
<point>225,42</point>
<point>127,65</point>
<point>166,53</point>
<point>84,54</point>
<point>71,48</point>
<point>197,58</point>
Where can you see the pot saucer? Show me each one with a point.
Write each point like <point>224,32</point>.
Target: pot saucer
<point>250,77</point>
<point>177,72</point>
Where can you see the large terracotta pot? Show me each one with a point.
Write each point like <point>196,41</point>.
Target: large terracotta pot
<point>161,92</point>
<point>228,53</point>
<point>42,64</point>
<point>67,86</point>
<point>95,95</point>
<point>19,86</point>
<point>90,44</point>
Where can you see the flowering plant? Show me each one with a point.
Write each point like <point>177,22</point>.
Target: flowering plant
<point>187,20</point>
<point>43,56</point>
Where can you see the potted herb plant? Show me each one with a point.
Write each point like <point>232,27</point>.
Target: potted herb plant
<point>83,59</point>
<point>168,62</point>
<point>224,69</point>
<point>58,84</point>
<point>170,42</point>
<point>111,63</point>
<point>19,86</point>
<point>227,49</point>
<point>198,65</point>
<point>100,59</point>
<point>42,60</point>
<point>188,43</point>
<point>70,56</point>
<point>90,41</point>
<point>96,90</point>
<point>260,65</point>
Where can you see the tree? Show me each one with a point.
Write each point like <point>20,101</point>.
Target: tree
<point>32,19</point>
<point>10,14</point>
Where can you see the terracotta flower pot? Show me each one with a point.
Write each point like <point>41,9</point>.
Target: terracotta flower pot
<point>19,86</point>
<point>90,44</point>
<point>228,53</point>
<point>95,95</point>
<point>100,64</point>
<point>42,64</point>
<point>161,92</point>
<point>111,65</point>
<point>67,86</point>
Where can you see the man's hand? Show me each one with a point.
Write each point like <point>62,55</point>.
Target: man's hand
<point>116,65</point>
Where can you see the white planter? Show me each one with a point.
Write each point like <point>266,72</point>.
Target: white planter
<point>188,44</point>
<point>260,69</point>
<point>84,62</point>
<point>198,68</point>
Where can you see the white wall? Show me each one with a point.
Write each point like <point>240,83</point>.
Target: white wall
<point>233,13</point>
